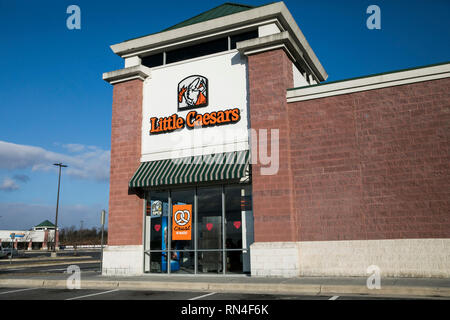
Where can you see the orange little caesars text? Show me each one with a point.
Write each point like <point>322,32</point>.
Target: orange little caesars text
<point>181,222</point>
<point>194,119</point>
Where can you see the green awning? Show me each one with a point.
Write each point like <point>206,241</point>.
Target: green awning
<point>206,168</point>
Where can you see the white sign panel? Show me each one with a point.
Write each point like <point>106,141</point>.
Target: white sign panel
<point>196,107</point>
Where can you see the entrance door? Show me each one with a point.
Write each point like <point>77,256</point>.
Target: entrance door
<point>210,230</point>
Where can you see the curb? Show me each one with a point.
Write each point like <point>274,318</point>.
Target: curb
<point>49,264</point>
<point>249,288</point>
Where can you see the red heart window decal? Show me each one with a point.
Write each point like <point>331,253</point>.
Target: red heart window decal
<point>237,224</point>
<point>157,227</point>
<point>209,226</point>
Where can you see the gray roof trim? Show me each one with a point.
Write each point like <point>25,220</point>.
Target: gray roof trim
<point>136,72</point>
<point>276,10</point>
<point>276,41</point>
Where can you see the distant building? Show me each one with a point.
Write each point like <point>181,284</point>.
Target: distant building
<point>39,238</point>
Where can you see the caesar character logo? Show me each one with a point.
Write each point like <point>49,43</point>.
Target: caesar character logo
<point>193,93</point>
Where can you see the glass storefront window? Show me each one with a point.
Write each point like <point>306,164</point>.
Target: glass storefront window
<point>233,217</point>
<point>209,218</point>
<point>210,261</point>
<point>210,230</point>
<point>234,262</point>
<point>182,262</point>
<point>155,262</point>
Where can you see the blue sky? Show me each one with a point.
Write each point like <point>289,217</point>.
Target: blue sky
<point>54,105</point>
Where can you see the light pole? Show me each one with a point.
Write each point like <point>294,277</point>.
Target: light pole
<point>60,165</point>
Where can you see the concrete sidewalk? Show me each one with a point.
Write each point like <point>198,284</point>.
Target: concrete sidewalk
<point>390,287</point>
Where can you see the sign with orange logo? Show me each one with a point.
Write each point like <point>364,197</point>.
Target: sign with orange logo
<point>181,222</point>
<point>192,94</point>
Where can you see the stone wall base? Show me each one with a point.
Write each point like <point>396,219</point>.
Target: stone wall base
<point>395,258</point>
<point>122,260</point>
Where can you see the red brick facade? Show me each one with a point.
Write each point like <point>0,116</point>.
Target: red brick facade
<point>125,210</point>
<point>270,74</point>
<point>373,164</point>
<point>365,165</point>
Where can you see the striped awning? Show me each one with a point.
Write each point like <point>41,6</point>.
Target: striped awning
<point>206,168</point>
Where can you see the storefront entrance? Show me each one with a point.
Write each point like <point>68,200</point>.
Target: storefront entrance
<point>210,230</point>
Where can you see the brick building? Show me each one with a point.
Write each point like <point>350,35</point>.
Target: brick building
<point>228,155</point>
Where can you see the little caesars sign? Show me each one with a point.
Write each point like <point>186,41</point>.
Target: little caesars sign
<point>193,93</point>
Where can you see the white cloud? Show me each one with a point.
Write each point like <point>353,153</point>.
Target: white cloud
<point>74,147</point>
<point>8,185</point>
<point>90,163</point>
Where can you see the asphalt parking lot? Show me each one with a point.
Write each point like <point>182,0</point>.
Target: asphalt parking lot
<point>40,262</point>
<point>117,294</point>
<point>39,265</point>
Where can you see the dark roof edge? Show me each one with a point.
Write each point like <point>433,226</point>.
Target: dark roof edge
<point>370,75</point>
<point>198,15</point>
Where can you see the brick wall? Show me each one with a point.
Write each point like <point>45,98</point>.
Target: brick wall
<point>125,209</point>
<point>372,164</point>
<point>270,74</point>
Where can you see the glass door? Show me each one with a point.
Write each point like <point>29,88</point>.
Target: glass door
<point>210,230</point>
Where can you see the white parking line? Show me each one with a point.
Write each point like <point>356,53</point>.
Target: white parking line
<point>203,296</point>
<point>18,290</point>
<point>94,294</point>
<point>334,298</point>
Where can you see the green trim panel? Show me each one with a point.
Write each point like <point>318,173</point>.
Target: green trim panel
<point>207,168</point>
<point>217,12</point>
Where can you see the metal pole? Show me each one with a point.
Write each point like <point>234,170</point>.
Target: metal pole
<point>195,224</point>
<point>103,227</point>
<point>169,233</point>
<point>224,256</point>
<point>57,206</point>
<point>10,256</point>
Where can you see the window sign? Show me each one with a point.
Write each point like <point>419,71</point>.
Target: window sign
<point>157,208</point>
<point>182,222</point>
